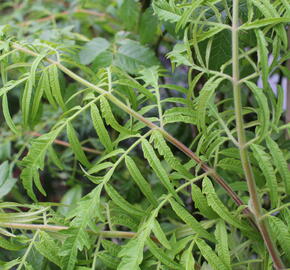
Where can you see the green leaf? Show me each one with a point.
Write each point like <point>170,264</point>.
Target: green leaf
<point>205,94</point>
<point>190,220</point>
<point>47,89</point>
<point>220,52</point>
<point>76,239</point>
<point>129,13</point>
<point>121,219</point>
<point>22,217</point>
<point>263,110</point>
<point>99,167</point>
<point>164,150</point>
<point>70,199</point>
<point>213,31</point>
<point>160,235</point>
<point>76,146</point>
<point>132,253</point>
<point>177,117</point>
<point>148,27</point>
<point>133,57</point>
<point>263,22</point>
<point>7,115</point>
<point>103,60</point>
<point>54,157</point>
<point>92,49</point>
<point>140,180</point>
<point>111,154</point>
<point>263,55</point>
<point>35,161</point>
<point>11,264</point>
<point>266,167</point>
<point>12,84</point>
<point>6,180</point>
<point>186,16</point>
<point>280,162</point>
<point>279,105</point>
<point>109,117</point>
<point>88,208</point>
<point>281,234</point>
<point>4,172</point>
<point>131,82</point>
<point>122,203</point>
<point>54,84</point>
<point>47,247</point>
<point>187,259</point>
<point>42,84</point>
<point>9,245</point>
<point>155,164</point>
<point>6,233</point>
<point>27,93</point>
<point>286,4</point>
<point>100,128</point>
<point>222,247</point>
<point>111,247</point>
<point>215,203</point>
<point>110,261</point>
<point>161,255</point>
<point>210,255</point>
<point>231,164</point>
<point>151,77</point>
<point>200,202</point>
<point>166,11</point>
<point>182,111</point>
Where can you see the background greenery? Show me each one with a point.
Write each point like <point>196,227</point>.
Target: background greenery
<point>134,135</point>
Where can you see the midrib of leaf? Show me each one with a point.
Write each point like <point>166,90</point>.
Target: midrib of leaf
<point>28,251</point>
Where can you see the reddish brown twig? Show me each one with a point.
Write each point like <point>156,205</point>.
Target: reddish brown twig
<point>66,144</point>
<point>54,16</point>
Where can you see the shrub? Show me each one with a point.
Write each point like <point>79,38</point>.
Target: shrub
<point>141,135</point>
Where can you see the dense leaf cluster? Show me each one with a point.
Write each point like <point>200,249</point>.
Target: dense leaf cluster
<point>144,135</point>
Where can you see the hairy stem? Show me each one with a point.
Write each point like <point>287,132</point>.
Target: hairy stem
<point>244,155</point>
<point>211,172</point>
<point>56,228</point>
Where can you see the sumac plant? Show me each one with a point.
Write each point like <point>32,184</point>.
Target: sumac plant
<point>144,135</point>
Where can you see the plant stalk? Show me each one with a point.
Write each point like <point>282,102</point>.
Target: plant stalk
<point>57,228</point>
<point>211,172</point>
<point>244,155</point>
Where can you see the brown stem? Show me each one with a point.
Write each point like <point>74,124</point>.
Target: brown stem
<point>54,16</point>
<point>66,144</point>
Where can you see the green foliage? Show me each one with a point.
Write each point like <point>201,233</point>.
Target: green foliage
<point>157,146</point>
